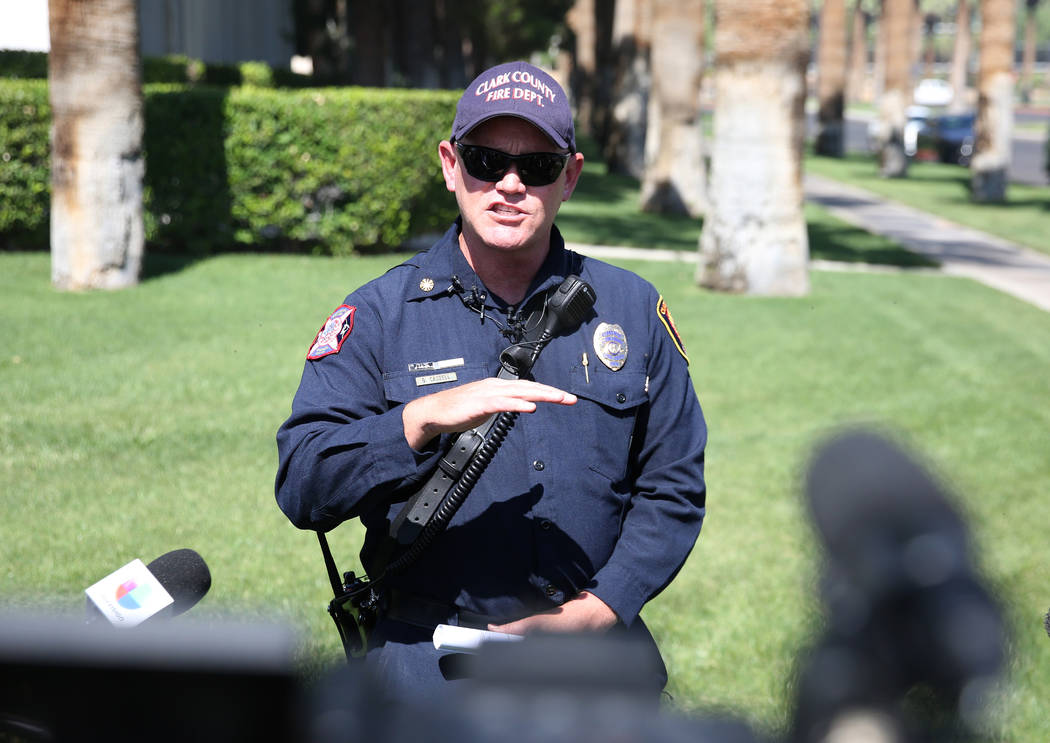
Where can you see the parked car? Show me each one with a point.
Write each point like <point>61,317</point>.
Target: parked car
<point>917,121</point>
<point>1047,150</point>
<point>950,137</point>
<point>933,92</point>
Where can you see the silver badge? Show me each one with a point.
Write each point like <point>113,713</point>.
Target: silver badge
<point>610,343</point>
<point>426,284</point>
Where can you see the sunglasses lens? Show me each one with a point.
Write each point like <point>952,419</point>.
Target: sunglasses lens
<point>540,169</point>
<point>483,163</point>
<point>534,169</point>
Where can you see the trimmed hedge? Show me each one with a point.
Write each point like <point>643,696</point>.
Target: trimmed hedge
<point>25,191</point>
<point>23,65</point>
<point>329,170</point>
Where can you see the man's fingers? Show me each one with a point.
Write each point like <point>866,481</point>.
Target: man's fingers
<point>533,391</point>
<point>459,408</point>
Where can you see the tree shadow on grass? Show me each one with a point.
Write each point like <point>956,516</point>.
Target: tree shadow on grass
<point>604,210</point>
<point>157,264</point>
<point>847,244</point>
<point>629,230</point>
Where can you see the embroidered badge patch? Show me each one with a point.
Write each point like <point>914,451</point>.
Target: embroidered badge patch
<point>668,321</point>
<point>610,343</point>
<point>332,334</point>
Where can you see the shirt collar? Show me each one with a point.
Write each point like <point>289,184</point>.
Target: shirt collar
<point>434,268</point>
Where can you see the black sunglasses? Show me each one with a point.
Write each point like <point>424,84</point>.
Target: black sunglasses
<point>534,168</point>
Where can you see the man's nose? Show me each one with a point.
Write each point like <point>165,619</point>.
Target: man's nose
<point>511,181</point>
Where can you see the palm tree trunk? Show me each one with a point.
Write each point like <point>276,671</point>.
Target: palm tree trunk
<point>585,62</point>
<point>929,53</point>
<point>916,42</point>
<point>368,66</point>
<point>95,90</point>
<point>754,235</point>
<point>878,74</point>
<point>1028,56</point>
<point>995,111</point>
<point>831,81</point>
<point>961,58</point>
<point>675,177</point>
<point>896,89</point>
<point>856,88</point>
<point>625,152</point>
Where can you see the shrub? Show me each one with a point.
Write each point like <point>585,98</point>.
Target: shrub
<point>174,68</point>
<point>333,170</point>
<point>258,74</point>
<point>25,119</point>
<point>24,65</point>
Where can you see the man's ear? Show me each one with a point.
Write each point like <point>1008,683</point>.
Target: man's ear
<point>573,168</point>
<point>447,155</point>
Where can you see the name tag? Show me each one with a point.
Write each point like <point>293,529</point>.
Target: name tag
<point>435,379</point>
<point>435,365</point>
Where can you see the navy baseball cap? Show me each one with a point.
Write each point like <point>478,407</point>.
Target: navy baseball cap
<point>517,89</point>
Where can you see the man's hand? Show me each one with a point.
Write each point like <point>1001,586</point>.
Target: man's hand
<point>585,613</point>
<point>461,408</point>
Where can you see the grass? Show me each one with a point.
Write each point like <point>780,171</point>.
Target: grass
<point>605,210</point>
<point>136,422</point>
<point>944,190</point>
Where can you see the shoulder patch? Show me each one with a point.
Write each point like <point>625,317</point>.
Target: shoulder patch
<point>665,317</point>
<point>333,333</point>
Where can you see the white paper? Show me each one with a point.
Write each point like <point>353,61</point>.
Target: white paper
<point>130,595</point>
<point>450,639</point>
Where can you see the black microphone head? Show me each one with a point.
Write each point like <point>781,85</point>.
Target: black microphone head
<point>570,305</point>
<point>184,575</point>
<point>882,516</point>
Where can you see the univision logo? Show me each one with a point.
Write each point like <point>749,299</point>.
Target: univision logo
<point>130,595</point>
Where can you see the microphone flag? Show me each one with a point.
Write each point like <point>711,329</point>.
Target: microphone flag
<point>130,595</point>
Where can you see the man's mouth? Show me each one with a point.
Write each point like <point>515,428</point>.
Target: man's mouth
<point>505,210</point>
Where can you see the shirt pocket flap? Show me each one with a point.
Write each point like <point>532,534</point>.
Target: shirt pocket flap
<point>620,390</point>
<point>404,386</point>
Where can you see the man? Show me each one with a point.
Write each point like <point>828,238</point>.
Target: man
<point>596,496</point>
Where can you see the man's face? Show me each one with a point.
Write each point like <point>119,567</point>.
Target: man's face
<point>507,215</point>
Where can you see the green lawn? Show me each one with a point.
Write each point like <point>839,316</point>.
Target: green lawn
<point>604,210</point>
<point>136,422</point>
<point>944,190</point>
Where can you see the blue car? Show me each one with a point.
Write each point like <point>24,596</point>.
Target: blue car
<point>951,137</point>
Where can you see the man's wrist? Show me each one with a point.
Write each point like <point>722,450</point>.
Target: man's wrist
<point>416,433</point>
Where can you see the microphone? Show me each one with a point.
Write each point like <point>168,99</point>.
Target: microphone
<point>906,603</point>
<point>170,585</point>
<point>566,307</point>
<point>883,519</point>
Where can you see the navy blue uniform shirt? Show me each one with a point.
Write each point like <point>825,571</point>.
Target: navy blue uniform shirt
<point>606,495</point>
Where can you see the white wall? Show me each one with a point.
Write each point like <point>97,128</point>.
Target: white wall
<point>23,25</point>
<point>219,30</point>
<point>212,30</point>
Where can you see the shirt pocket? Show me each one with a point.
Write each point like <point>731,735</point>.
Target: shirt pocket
<point>609,403</point>
<point>405,386</point>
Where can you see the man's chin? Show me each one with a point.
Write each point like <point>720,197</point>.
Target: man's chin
<point>508,238</point>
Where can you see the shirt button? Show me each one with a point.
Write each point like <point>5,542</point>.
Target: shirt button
<point>620,397</point>
<point>546,525</point>
<point>538,465</point>
<point>551,590</point>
